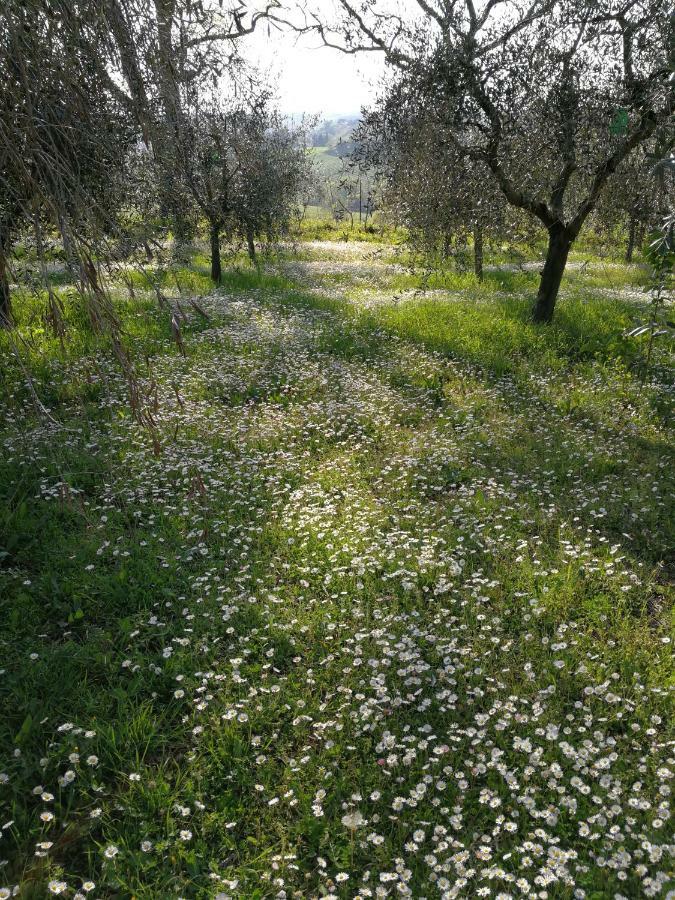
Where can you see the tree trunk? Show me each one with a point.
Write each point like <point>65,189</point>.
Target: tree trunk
<point>478,251</point>
<point>5,299</point>
<point>632,229</point>
<point>250,243</point>
<point>171,156</point>
<point>216,269</point>
<point>130,65</point>
<point>559,243</point>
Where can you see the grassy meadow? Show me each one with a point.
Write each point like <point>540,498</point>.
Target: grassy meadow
<point>383,610</point>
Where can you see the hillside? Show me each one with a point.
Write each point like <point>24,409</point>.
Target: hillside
<point>331,141</point>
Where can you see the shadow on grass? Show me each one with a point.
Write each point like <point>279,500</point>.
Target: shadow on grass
<point>534,368</point>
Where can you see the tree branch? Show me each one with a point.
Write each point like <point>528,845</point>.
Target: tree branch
<point>431,12</point>
<point>237,29</point>
<point>491,157</point>
<point>647,126</point>
<point>538,9</point>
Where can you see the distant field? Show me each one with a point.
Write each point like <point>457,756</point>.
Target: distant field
<point>326,161</point>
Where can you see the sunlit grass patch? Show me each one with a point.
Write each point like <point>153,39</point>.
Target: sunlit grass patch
<point>389,611</point>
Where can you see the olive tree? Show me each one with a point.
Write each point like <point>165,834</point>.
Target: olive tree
<point>244,167</point>
<point>550,96</point>
<point>163,52</point>
<point>438,193</point>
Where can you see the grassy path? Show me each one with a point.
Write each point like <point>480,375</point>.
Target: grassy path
<point>388,615</point>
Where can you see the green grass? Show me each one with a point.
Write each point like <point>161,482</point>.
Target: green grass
<point>323,228</point>
<point>409,560</point>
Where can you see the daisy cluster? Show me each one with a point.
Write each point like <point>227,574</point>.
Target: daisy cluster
<point>374,623</point>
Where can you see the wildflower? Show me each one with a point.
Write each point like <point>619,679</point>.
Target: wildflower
<point>353,820</point>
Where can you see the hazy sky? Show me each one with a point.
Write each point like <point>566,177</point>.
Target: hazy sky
<point>311,78</point>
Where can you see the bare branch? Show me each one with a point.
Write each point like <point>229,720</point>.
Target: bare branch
<point>537,10</point>
<point>237,29</point>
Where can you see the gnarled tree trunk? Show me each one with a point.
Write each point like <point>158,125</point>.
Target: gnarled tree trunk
<point>216,269</point>
<point>559,243</point>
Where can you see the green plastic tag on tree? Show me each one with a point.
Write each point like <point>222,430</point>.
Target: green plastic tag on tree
<point>619,124</point>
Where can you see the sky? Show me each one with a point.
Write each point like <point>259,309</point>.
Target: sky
<point>309,78</point>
